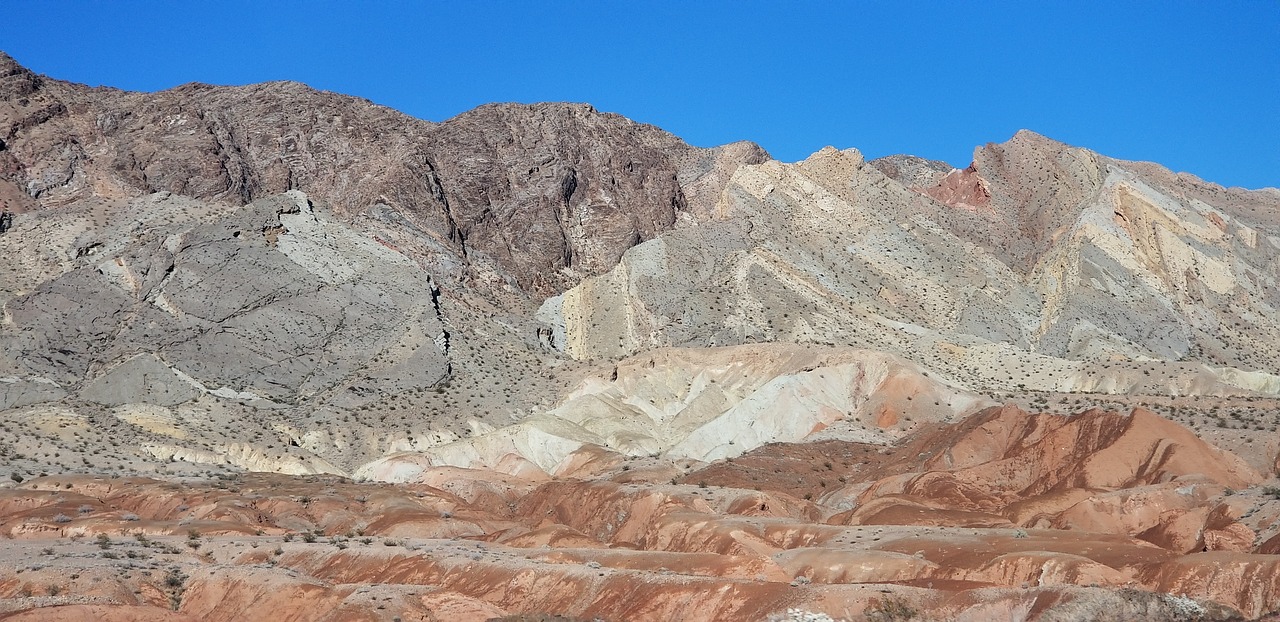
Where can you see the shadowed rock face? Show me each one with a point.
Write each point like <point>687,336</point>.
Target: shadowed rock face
<point>552,186</point>
<point>522,191</point>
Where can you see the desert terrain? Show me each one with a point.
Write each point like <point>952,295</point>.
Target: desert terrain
<point>273,353</point>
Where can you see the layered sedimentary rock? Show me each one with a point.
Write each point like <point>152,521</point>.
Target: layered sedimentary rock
<point>1040,266</point>
<point>1003,513</point>
<point>707,405</point>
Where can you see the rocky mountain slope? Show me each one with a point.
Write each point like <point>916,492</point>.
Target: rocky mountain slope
<point>1040,267</point>
<point>527,196</point>
<point>625,369</point>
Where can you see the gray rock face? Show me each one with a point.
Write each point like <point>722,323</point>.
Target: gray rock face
<point>19,392</point>
<point>536,195</point>
<point>272,302</point>
<point>143,379</point>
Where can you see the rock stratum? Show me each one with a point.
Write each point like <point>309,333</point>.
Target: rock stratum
<point>268,351</point>
<point>1005,515</point>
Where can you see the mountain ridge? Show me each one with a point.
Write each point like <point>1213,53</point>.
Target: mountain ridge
<point>65,142</point>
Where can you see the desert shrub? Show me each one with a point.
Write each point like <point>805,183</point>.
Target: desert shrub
<point>891,609</point>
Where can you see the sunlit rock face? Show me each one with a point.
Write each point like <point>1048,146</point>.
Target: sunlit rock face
<point>1040,266</point>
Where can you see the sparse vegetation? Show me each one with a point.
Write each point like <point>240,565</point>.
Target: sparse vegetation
<point>891,609</point>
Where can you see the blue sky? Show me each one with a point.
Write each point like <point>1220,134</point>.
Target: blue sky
<point>1192,85</point>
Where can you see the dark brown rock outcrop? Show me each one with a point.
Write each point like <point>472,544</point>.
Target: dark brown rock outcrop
<point>518,192</point>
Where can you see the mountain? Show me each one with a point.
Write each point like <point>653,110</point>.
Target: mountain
<point>528,196</point>
<point>1040,267</point>
<point>559,363</point>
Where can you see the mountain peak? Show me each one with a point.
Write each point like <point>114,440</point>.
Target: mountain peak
<point>8,65</point>
<point>1029,138</point>
<point>15,80</point>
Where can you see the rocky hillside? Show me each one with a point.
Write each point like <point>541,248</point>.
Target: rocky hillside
<point>531,197</point>
<point>559,363</point>
<point>164,293</point>
<point>169,282</point>
<point>1039,267</point>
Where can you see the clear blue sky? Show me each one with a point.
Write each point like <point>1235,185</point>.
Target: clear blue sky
<point>1192,85</point>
